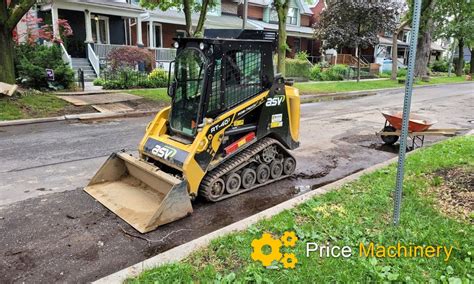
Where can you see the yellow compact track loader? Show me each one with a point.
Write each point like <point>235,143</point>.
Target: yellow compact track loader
<point>228,130</point>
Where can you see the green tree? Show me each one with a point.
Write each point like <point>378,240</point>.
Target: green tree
<point>423,48</point>
<point>455,19</point>
<point>356,24</point>
<point>281,7</point>
<point>11,12</point>
<point>188,7</point>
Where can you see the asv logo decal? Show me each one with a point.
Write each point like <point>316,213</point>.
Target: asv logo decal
<point>275,101</point>
<point>163,152</point>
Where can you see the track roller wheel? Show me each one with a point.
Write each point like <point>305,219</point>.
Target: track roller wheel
<point>289,165</point>
<point>233,183</point>
<point>249,176</point>
<point>215,191</point>
<point>263,173</point>
<point>276,169</point>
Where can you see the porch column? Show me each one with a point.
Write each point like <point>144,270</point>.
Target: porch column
<point>54,19</point>
<point>151,32</point>
<point>87,15</point>
<point>139,31</point>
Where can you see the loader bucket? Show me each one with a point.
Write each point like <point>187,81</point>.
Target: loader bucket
<point>139,193</point>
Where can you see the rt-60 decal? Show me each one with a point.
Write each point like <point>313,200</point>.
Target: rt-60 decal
<point>275,101</point>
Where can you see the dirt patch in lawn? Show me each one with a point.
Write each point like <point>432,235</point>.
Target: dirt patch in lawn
<point>454,191</point>
<point>71,109</point>
<point>144,104</point>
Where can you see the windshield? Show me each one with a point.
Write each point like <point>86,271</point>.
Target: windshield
<point>188,81</point>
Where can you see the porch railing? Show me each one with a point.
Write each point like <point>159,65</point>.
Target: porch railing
<point>350,60</point>
<point>93,59</point>
<point>66,57</point>
<point>164,54</point>
<point>102,50</point>
<point>161,54</point>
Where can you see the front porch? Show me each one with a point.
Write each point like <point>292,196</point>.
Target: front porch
<point>100,28</point>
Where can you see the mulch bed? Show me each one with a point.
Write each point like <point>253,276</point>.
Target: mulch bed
<point>454,189</point>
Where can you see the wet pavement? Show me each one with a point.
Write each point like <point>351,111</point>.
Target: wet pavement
<point>50,230</point>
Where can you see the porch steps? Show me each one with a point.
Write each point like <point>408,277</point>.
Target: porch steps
<point>84,64</point>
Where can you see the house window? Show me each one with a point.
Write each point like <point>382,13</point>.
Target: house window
<point>180,33</point>
<point>297,45</point>
<point>291,19</point>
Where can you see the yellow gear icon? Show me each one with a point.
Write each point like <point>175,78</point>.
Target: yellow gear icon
<point>286,260</point>
<point>289,239</point>
<point>266,240</point>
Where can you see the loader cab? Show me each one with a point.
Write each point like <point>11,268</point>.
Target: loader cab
<point>213,74</point>
<point>186,89</point>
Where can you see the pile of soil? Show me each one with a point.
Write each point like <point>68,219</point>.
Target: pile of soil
<point>455,193</point>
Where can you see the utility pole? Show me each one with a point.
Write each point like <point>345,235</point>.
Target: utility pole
<point>244,15</point>
<point>406,112</point>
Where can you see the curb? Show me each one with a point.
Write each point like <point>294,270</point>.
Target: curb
<point>82,116</point>
<point>305,99</point>
<point>373,91</point>
<point>182,251</point>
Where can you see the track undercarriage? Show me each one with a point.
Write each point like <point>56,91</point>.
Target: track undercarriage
<point>263,162</point>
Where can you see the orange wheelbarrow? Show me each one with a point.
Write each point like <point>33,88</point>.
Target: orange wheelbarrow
<point>418,128</point>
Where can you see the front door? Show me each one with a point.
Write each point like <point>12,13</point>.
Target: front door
<point>100,29</point>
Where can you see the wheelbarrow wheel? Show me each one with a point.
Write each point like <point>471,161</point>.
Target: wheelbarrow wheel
<point>389,139</point>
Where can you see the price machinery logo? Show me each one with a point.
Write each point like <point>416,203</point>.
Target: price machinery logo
<point>288,240</point>
<point>268,249</point>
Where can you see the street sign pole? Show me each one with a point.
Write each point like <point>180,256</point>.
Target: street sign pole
<point>406,111</point>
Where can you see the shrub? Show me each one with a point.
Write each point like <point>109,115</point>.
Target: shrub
<point>158,78</point>
<point>128,78</point>
<point>334,73</point>
<point>31,62</point>
<point>129,57</point>
<point>297,68</point>
<point>315,73</point>
<point>388,74</point>
<point>440,66</point>
<point>114,85</point>
<point>98,82</point>
<point>467,68</point>
<point>302,55</point>
<point>401,72</point>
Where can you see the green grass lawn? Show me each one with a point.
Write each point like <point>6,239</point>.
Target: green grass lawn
<point>160,94</point>
<point>348,86</point>
<point>29,106</point>
<point>360,211</point>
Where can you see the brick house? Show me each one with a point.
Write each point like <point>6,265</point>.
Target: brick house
<point>100,26</point>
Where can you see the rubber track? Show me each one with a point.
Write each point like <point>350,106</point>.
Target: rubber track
<point>239,161</point>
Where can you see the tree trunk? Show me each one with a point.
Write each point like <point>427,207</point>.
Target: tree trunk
<point>460,63</point>
<point>7,52</point>
<point>423,50</point>
<point>281,47</point>
<point>394,54</point>
<point>199,32</point>
<point>471,69</point>
<point>358,63</point>
<point>187,17</point>
<point>282,7</point>
<point>393,76</point>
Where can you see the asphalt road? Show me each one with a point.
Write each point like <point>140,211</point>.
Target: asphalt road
<point>50,230</point>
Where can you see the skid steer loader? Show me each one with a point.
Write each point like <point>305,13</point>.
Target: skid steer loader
<point>228,130</point>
